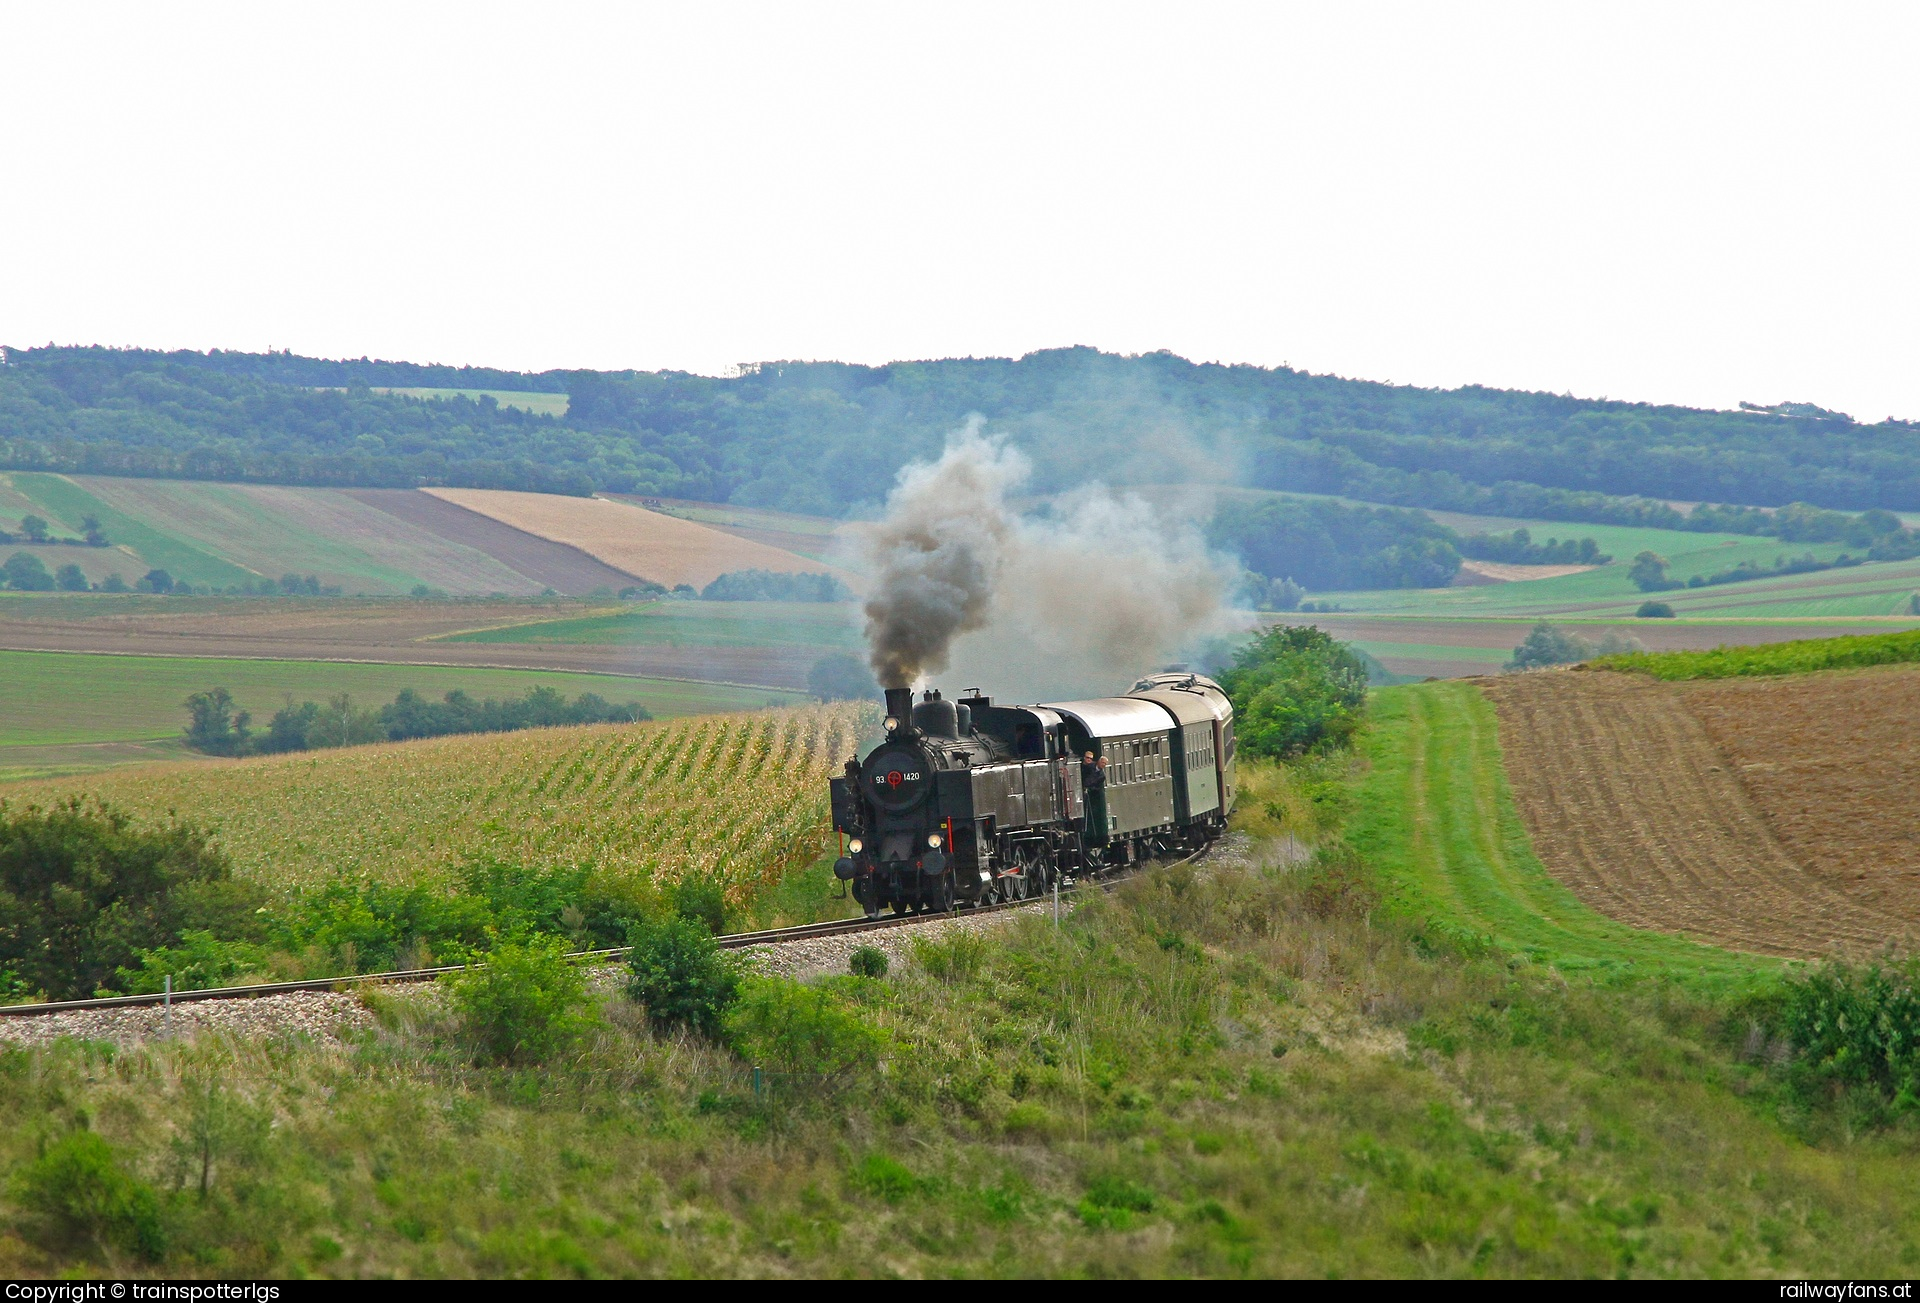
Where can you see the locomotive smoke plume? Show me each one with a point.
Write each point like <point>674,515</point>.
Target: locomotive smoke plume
<point>936,556</point>
<point>1075,604</point>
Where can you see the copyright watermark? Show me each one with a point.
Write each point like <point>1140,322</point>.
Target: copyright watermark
<point>87,1290</point>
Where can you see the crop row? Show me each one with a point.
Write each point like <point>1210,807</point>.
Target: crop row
<point>740,796</point>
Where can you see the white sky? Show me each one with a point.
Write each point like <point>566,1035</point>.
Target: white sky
<point>1687,203</point>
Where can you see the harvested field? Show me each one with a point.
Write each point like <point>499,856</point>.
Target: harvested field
<point>1832,763</point>
<point>1497,572</point>
<point>1633,806</point>
<point>334,533</point>
<point>808,536</point>
<point>641,543</point>
<point>545,563</point>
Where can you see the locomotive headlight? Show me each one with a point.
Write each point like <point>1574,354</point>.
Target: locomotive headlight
<point>855,845</point>
<point>892,723</point>
<point>933,840</point>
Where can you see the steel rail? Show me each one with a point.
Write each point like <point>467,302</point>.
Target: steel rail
<point>731,941</point>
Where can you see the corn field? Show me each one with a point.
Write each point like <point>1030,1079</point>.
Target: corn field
<point>742,797</point>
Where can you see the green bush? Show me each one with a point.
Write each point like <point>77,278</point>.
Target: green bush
<point>1295,690</point>
<point>1857,1028</point>
<point>1653,611</point>
<point>801,1031</point>
<point>83,893</point>
<point>82,1192</point>
<point>868,961</point>
<point>703,901</point>
<point>526,1004</point>
<point>199,962</point>
<point>681,976</point>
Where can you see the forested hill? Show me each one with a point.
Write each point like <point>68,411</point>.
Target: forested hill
<point>827,437</point>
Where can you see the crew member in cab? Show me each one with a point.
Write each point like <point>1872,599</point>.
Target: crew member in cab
<point>1093,774</point>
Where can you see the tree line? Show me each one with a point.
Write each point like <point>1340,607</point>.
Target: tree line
<point>218,727</point>
<point>27,573</point>
<point>829,437</point>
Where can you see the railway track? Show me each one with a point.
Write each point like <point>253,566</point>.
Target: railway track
<point>731,941</point>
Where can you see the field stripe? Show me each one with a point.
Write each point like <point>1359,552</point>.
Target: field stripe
<point>1437,819</point>
<point>69,502</point>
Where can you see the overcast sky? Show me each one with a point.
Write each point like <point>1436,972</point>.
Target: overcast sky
<point>1684,203</point>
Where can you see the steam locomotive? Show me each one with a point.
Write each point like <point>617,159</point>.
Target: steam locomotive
<point>966,802</point>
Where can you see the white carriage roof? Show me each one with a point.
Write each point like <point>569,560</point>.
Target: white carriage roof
<point>1115,716</point>
<point>1187,707</point>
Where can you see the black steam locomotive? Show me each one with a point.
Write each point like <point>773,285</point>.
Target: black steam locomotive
<point>966,802</point>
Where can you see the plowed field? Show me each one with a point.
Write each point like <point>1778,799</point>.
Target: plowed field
<point>1751,815</point>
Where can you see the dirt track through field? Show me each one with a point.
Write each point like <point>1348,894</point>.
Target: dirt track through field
<point>1633,805</point>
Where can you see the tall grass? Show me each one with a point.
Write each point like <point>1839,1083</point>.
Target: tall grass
<point>1797,657</point>
<point>1240,1070</point>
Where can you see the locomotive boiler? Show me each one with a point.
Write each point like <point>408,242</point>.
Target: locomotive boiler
<point>968,802</point>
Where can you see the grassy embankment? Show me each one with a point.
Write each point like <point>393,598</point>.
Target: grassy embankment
<point>1257,1069</point>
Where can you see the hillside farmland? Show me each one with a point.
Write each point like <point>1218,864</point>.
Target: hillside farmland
<point>644,544</point>
<point>741,797</point>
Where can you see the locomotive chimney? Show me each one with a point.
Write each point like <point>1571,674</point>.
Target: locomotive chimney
<point>899,709</point>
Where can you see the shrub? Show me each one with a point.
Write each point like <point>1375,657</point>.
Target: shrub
<point>525,1005</point>
<point>868,961</point>
<point>70,578</point>
<point>80,1189</point>
<point>1295,690</point>
<point>801,1031</point>
<point>1858,1027</point>
<point>681,976</point>
<point>702,900</point>
<point>199,962</point>
<point>82,893</point>
<point>1653,611</point>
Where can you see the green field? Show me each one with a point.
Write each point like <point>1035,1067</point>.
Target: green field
<point>828,626</point>
<point>61,699</point>
<point>1773,658</point>
<point>1472,659</point>
<point>66,502</point>
<point>1435,812</point>
<point>538,404</point>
